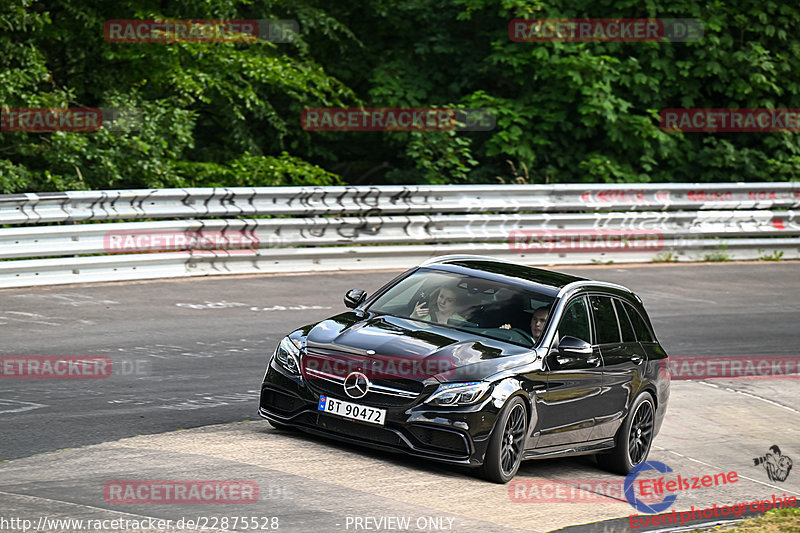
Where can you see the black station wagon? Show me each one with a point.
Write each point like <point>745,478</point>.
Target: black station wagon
<point>479,362</point>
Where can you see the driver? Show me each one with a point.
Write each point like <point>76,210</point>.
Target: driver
<point>537,322</point>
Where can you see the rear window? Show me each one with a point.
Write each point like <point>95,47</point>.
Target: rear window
<point>624,323</point>
<point>639,325</point>
<point>605,319</point>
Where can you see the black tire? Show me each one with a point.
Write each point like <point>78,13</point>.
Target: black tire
<point>506,443</point>
<point>633,439</point>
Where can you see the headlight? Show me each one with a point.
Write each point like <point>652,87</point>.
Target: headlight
<point>288,355</point>
<point>458,393</point>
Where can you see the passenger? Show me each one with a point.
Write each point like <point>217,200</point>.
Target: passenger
<point>446,304</point>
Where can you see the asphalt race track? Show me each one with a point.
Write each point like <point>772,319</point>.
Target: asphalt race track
<point>191,353</point>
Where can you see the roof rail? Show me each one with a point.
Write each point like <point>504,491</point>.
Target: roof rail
<point>588,282</point>
<point>456,257</point>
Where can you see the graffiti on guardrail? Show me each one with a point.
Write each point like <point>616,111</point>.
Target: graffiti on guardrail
<point>365,201</point>
<point>711,222</point>
<point>349,229</point>
<point>732,197</point>
<point>317,226</point>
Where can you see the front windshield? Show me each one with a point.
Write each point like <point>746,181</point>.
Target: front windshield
<point>497,310</point>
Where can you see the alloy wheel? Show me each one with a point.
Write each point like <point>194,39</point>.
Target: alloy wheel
<point>641,433</point>
<point>513,437</point>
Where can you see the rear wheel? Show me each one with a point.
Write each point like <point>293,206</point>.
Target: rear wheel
<point>506,443</point>
<point>633,439</point>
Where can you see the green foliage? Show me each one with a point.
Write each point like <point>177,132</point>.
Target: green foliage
<point>218,114</point>
<point>667,256</point>
<point>776,255</point>
<point>228,114</point>
<point>719,255</point>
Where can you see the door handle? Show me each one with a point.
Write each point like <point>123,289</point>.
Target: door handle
<point>593,360</point>
<point>636,358</point>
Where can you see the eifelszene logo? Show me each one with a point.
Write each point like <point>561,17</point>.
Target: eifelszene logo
<point>654,487</point>
<point>637,503</point>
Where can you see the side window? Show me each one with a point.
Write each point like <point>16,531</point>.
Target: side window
<point>624,323</point>
<point>639,325</point>
<point>605,319</point>
<point>575,321</point>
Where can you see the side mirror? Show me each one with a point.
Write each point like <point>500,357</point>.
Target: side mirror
<point>572,354</point>
<point>574,346</point>
<point>354,297</point>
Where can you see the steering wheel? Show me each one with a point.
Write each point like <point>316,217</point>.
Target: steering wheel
<point>521,336</point>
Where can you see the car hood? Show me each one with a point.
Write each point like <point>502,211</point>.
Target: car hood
<point>411,349</point>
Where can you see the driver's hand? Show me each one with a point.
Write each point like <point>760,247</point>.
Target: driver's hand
<point>420,310</point>
<point>505,326</point>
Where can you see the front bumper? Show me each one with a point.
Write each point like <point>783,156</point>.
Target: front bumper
<point>455,435</point>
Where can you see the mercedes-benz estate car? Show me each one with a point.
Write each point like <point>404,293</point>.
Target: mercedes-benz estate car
<point>479,362</point>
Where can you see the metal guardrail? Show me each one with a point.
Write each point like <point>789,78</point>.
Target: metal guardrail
<point>43,208</point>
<point>331,228</point>
<point>327,231</point>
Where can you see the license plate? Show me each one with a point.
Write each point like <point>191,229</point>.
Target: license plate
<point>352,411</point>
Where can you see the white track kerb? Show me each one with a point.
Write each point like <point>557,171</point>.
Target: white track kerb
<point>89,236</point>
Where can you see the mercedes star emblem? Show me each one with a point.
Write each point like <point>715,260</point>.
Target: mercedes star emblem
<point>356,385</point>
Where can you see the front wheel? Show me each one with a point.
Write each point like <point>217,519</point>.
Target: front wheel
<point>506,443</point>
<point>633,438</point>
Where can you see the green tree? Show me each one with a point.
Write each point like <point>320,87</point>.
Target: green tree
<point>229,114</point>
<point>212,114</point>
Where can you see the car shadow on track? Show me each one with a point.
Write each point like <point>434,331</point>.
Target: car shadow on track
<point>574,468</point>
